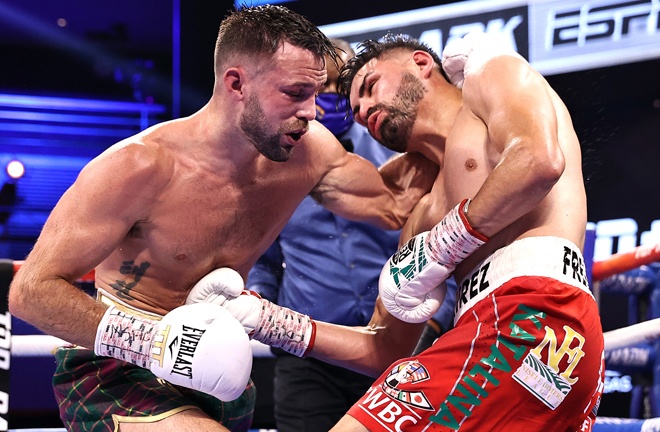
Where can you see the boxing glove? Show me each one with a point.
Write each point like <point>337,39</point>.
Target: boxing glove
<point>454,57</point>
<point>200,346</point>
<point>262,320</point>
<point>216,287</point>
<point>465,55</point>
<point>411,283</point>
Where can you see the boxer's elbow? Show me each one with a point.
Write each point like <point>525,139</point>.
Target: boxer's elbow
<point>18,300</point>
<point>550,164</point>
<point>541,165</point>
<point>399,210</point>
<point>393,221</point>
<point>385,215</point>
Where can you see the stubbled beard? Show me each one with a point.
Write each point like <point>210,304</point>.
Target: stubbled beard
<point>396,128</point>
<point>253,126</point>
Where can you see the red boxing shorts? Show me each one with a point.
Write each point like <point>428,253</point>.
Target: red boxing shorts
<point>526,352</point>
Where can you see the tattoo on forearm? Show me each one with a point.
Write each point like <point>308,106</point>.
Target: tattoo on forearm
<point>124,287</point>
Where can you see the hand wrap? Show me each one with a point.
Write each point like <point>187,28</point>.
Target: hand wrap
<point>262,320</point>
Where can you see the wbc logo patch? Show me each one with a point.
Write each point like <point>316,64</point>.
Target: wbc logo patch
<point>409,372</point>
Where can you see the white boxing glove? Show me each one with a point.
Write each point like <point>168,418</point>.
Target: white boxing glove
<point>201,346</point>
<point>217,286</point>
<point>411,284</point>
<point>223,284</point>
<point>262,320</point>
<point>454,57</point>
<point>462,56</point>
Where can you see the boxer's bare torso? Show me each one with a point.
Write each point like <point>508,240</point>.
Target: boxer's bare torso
<point>470,155</point>
<point>198,212</point>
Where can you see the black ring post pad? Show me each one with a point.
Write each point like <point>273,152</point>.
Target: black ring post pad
<point>6,276</point>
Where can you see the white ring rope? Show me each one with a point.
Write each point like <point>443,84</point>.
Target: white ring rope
<point>646,331</point>
<point>35,345</point>
<point>45,346</point>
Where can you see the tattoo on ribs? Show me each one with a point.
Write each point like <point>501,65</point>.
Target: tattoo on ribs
<point>124,287</point>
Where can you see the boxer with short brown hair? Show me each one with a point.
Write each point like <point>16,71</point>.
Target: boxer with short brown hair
<point>156,212</point>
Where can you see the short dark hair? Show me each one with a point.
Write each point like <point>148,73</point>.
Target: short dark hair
<point>370,49</point>
<point>261,30</point>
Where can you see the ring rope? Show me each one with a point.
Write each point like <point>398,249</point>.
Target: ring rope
<point>614,264</point>
<point>624,261</point>
<point>645,331</point>
<point>45,346</point>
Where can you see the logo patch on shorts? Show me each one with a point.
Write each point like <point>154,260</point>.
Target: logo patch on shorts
<point>408,372</point>
<point>541,381</point>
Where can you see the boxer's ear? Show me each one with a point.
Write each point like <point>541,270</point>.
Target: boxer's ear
<point>233,80</point>
<point>424,62</point>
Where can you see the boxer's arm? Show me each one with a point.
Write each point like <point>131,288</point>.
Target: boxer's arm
<point>517,107</point>
<point>409,173</point>
<point>411,283</point>
<point>87,223</point>
<point>355,189</point>
<point>368,350</point>
<point>364,349</point>
<point>426,214</point>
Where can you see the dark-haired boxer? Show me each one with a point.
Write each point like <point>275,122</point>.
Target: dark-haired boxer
<point>506,217</point>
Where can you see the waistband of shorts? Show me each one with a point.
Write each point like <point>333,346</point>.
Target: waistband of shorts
<point>551,257</point>
<point>107,299</point>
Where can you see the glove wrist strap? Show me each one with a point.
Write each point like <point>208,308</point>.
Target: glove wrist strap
<point>125,337</point>
<point>453,239</point>
<point>284,328</point>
